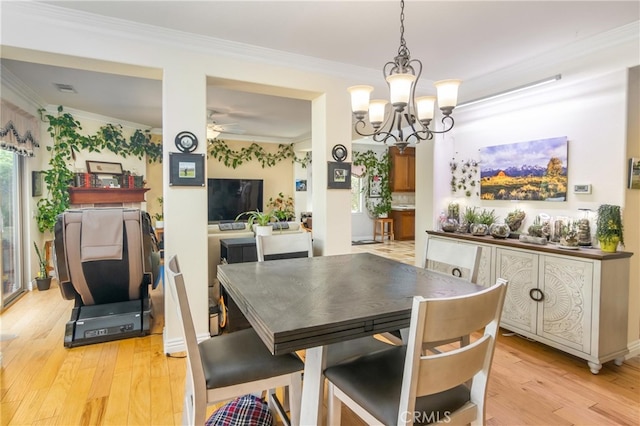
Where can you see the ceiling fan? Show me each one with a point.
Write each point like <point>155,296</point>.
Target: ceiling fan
<point>214,128</point>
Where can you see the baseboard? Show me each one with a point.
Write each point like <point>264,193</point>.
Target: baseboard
<point>177,345</point>
<point>634,349</point>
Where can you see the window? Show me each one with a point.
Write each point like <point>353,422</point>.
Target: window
<point>357,194</point>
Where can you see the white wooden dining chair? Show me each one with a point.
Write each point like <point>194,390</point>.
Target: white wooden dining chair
<point>284,246</point>
<point>461,260</point>
<point>230,365</point>
<point>402,385</point>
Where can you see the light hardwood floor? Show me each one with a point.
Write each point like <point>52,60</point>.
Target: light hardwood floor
<point>132,382</point>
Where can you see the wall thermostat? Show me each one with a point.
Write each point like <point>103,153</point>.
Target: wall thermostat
<point>582,189</point>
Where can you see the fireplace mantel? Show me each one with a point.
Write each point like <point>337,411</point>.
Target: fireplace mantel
<point>79,195</point>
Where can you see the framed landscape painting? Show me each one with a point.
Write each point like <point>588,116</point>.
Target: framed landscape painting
<point>533,170</point>
<point>634,173</point>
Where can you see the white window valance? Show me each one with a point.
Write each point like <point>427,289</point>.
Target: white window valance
<point>19,131</point>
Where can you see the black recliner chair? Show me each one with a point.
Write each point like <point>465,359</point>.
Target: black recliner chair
<point>103,261</point>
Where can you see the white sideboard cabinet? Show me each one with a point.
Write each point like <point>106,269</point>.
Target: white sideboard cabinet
<point>572,300</point>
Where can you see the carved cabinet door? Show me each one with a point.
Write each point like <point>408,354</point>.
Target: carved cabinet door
<point>520,268</point>
<point>566,313</point>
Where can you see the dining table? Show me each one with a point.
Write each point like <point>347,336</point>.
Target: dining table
<point>312,303</point>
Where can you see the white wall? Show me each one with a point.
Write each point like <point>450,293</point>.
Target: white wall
<point>564,108</point>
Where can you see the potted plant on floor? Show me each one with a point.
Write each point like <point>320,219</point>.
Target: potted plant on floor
<point>261,219</point>
<point>43,280</point>
<point>609,230</point>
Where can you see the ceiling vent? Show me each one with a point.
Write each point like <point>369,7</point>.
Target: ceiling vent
<point>65,88</point>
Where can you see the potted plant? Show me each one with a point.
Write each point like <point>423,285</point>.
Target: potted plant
<point>469,217</point>
<point>261,219</point>
<point>43,280</point>
<point>282,207</point>
<point>609,231</point>
<point>159,217</point>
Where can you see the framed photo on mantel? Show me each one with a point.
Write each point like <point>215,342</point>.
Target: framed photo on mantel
<point>104,168</point>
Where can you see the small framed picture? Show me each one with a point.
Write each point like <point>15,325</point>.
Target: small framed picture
<point>375,187</point>
<point>186,169</point>
<point>634,173</point>
<point>104,168</point>
<point>301,184</point>
<point>339,175</point>
<point>36,184</point>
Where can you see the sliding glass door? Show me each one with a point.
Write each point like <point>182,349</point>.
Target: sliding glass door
<point>10,225</point>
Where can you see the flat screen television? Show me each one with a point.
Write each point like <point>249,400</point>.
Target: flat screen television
<point>227,198</point>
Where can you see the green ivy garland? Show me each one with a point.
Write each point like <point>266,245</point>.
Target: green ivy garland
<point>219,150</point>
<point>64,130</point>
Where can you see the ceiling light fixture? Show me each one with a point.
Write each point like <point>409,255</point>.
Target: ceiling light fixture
<point>511,91</point>
<point>402,75</point>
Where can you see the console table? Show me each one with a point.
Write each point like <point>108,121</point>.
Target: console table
<point>572,300</point>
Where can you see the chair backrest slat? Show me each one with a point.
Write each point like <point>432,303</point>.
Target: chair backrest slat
<point>278,245</point>
<point>448,319</point>
<point>195,370</point>
<point>439,253</point>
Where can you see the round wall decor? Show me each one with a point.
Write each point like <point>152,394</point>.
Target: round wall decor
<point>339,152</point>
<point>186,141</point>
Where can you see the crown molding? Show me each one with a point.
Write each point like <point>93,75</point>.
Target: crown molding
<point>113,28</point>
<point>13,83</point>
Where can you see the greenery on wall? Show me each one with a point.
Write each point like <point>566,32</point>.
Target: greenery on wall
<point>67,141</point>
<point>380,167</point>
<point>219,150</point>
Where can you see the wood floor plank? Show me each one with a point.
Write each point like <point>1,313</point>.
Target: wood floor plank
<point>29,406</point>
<point>140,399</point>
<point>105,367</point>
<point>73,406</point>
<point>53,403</point>
<point>117,408</point>
<point>94,411</point>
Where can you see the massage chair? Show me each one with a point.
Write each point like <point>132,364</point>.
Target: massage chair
<point>103,261</point>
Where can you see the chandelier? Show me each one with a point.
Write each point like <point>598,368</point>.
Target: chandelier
<point>407,111</point>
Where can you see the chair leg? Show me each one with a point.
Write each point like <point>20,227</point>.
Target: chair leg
<point>295,398</point>
<point>334,407</point>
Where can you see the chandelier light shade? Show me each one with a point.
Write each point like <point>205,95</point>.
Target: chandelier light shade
<point>407,113</point>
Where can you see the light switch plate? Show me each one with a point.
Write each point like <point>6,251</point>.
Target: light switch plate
<point>582,189</point>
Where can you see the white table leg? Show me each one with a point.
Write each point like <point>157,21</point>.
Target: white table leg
<point>313,386</point>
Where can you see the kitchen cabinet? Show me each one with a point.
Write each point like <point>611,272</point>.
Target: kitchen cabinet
<point>404,224</point>
<point>403,170</point>
<point>573,300</point>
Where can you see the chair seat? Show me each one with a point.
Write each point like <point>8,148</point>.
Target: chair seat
<point>379,393</point>
<point>245,359</point>
<point>350,350</point>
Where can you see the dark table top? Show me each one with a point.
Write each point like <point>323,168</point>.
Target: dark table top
<point>301,303</point>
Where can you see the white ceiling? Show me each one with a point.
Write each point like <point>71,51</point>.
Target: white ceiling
<point>453,39</point>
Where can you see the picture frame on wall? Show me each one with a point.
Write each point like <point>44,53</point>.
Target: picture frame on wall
<point>186,169</point>
<point>634,173</point>
<point>339,175</point>
<point>36,183</point>
<point>301,185</point>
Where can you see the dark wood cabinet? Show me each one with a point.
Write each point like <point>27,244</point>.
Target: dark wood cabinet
<point>404,224</point>
<point>403,170</point>
<point>236,250</point>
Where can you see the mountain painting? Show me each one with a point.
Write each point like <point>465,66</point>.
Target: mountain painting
<point>533,170</point>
